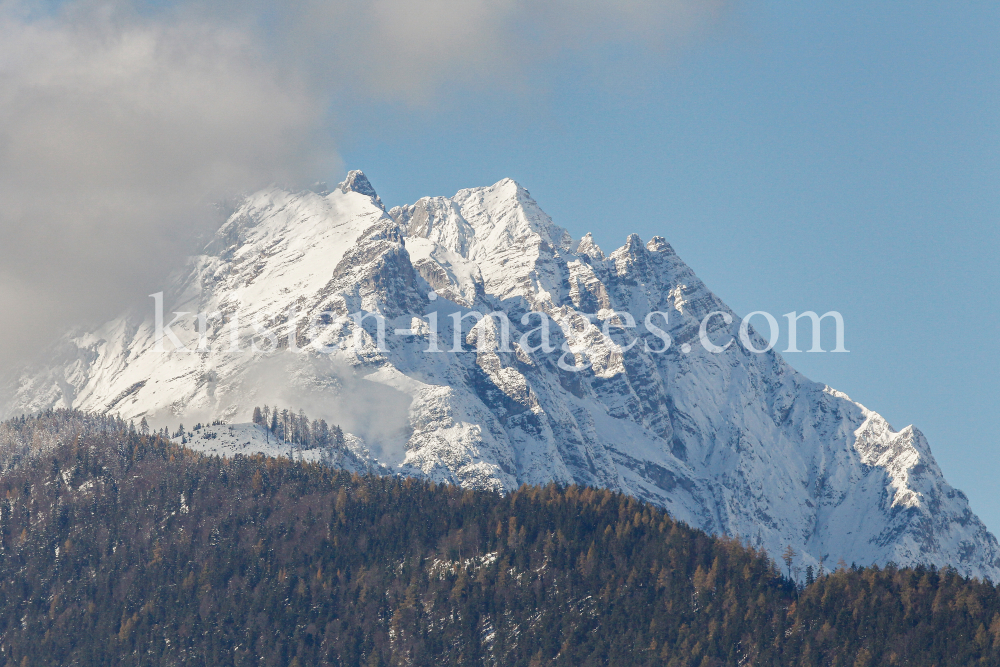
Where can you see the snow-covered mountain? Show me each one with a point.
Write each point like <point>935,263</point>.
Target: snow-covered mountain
<point>733,442</point>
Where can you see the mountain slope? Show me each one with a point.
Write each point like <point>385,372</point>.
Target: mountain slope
<point>735,443</point>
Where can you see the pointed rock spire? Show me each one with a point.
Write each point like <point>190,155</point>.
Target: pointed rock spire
<point>633,245</point>
<point>588,247</point>
<point>356,181</point>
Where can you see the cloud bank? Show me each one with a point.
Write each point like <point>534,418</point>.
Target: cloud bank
<point>120,123</point>
<point>115,135</point>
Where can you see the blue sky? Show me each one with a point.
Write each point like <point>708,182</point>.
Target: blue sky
<point>799,156</point>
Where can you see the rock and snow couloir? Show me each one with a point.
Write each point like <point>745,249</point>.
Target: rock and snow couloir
<point>736,443</point>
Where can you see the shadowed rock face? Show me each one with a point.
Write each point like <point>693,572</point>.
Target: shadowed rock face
<point>736,443</point>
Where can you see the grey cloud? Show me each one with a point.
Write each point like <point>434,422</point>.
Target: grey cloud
<point>115,134</point>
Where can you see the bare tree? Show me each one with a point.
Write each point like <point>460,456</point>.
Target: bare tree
<point>788,556</point>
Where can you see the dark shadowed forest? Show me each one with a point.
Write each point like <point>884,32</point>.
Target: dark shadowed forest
<point>119,548</point>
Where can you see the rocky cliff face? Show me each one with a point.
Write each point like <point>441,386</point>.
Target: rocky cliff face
<point>733,442</point>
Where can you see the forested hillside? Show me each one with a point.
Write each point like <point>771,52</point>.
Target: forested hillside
<point>122,548</point>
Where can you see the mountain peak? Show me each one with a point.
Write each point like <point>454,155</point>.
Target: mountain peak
<point>633,249</point>
<point>509,189</point>
<point>634,244</point>
<point>659,244</point>
<point>356,181</point>
<point>509,184</point>
<point>587,246</point>
<point>735,442</point>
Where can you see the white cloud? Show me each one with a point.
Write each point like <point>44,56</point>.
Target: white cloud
<point>412,50</point>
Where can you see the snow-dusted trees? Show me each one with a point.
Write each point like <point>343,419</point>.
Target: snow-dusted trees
<point>297,429</point>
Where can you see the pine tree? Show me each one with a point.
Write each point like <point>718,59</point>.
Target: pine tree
<point>314,435</point>
<point>303,430</point>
